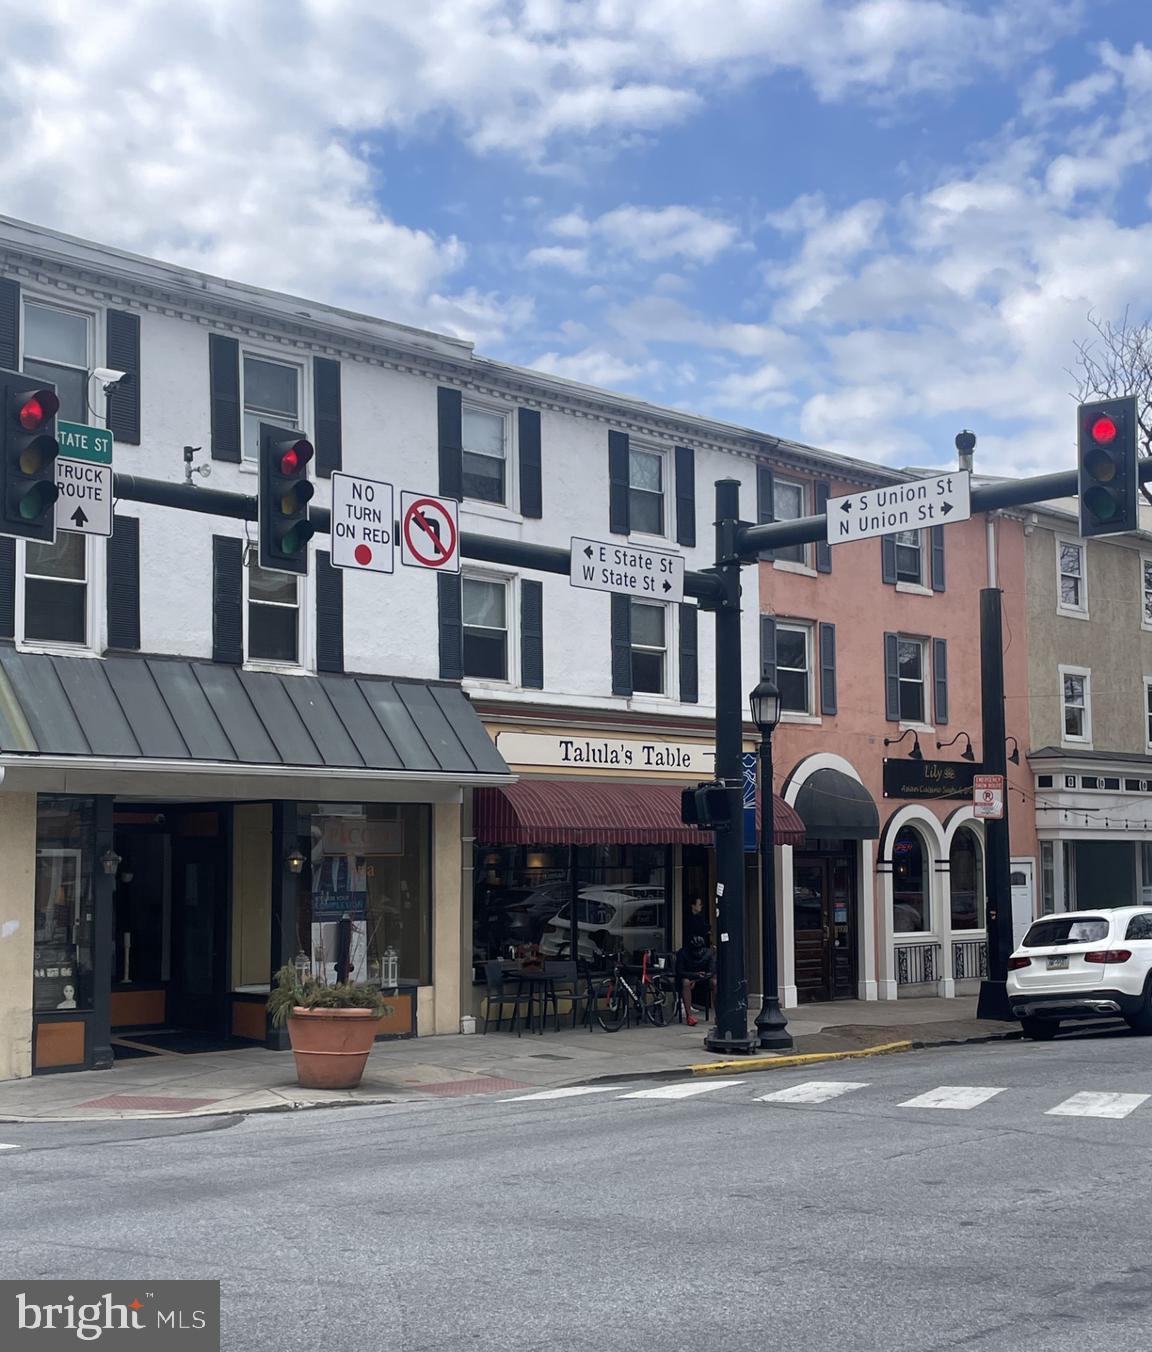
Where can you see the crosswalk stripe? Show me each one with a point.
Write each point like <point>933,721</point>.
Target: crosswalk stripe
<point>8,1147</point>
<point>1093,1104</point>
<point>572,1091</point>
<point>679,1091</point>
<point>958,1096</point>
<point>811,1091</point>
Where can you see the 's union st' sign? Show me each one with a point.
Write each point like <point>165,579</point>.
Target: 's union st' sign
<point>928,778</point>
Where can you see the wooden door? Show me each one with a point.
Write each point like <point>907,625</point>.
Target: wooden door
<point>811,928</point>
<point>841,913</point>
<point>199,990</point>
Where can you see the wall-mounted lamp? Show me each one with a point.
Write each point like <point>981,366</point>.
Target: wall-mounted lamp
<point>296,861</point>
<point>967,754</point>
<point>1014,754</point>
<point>110,862</point>
<point>915,753</point>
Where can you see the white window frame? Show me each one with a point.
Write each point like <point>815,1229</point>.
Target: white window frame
<point>511,628</point>
<point>304,664</point>
<point>1145,592</point>
<point>928,722</point>
<point>303,411</point>
<point>667,490</point>
<point>509,509</point>
<point>1086,738</point>
<point>670,647</point>
<point>1148,717</point>
<point>94,614</point>
<point>1077,612</point>
<point>803,565</point>
<point>808,629</point>
<point>93,417</point>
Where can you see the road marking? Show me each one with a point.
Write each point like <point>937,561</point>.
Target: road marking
<point>679,1091</point>
<point>8,1147</point>
<point>811,1091</point>
<point>572,1092</point>
<point>1092,1104</point>
<point>958,1096</point>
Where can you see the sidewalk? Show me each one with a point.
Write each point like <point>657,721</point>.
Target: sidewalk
<point>252,1079</point>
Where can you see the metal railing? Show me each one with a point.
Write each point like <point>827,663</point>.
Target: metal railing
<point>917,964</point>
<point>969,959</point>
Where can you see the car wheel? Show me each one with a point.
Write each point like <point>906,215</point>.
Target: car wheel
<point>1040,1030</point>
<point>1142,1022</point>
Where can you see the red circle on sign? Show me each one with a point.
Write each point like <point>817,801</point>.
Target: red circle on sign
<point>363,555</point>
<point>417,531</point>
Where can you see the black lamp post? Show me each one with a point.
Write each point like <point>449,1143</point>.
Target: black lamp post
<point>771,1025</point>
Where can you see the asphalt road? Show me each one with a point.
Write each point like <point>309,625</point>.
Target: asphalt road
<point>599,1221</point>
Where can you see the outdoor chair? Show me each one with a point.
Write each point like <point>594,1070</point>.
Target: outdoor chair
<point>565,979</point>
<point>497,981</point>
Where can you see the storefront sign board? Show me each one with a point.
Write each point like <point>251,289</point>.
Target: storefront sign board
<point>928,778</point>
<point>580,752</point>
<point>605,565</point>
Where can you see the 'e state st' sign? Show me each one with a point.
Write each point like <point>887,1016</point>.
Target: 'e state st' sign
<point>600,565</point>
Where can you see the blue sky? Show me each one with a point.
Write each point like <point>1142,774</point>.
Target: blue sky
<point>860,223</point>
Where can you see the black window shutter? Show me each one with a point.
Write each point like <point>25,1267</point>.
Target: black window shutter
<point>621,644</point>
<point>940,678</point>
<point>937,558</point>
<point>449,420</point>
<point>532,634</point>
<point>327,433</point>
<point>891,679</point>
<point>227,600</point>
<point>9,324</point>
<point>531,471</point>
<point>827,668</point>
<point>768,648</point>
<point>689,652</point>
<point>765,500</point>
<point>685,495</point>
<point>7,587</point>
<point>329,614</point>
<point>619,504</point>
<point>224,379</point>
<point>122,353</point>
<point>122,562</point>
<point>823,548</point>
<point>450,603</point>
<point>888,558</point>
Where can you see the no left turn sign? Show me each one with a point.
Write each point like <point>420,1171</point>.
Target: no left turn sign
<point>430,532</point>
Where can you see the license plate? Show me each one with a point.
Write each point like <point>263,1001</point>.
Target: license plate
<point>1058,964</point>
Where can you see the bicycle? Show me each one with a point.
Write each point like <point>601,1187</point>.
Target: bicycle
<point>616,997</point>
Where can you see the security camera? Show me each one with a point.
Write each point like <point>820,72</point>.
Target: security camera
<point>109,378</point>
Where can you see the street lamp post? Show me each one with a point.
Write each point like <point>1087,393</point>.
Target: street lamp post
<point>771,1025</point>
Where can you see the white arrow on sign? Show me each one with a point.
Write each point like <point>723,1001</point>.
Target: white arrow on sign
<point>938,501</point>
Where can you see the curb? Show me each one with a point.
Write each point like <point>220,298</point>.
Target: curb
<point>801,1059</point>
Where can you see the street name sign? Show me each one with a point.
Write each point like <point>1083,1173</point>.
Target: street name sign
<point>908,506</point>
<point>363,521</point>
<point>988,796</point>
<point>652,574</point>
<point>430,532</point>
<point>84,478</point>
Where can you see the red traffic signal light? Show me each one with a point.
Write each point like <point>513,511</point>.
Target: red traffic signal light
<point>296,456</point>
<point>1103,430</point>
<point>28,451</point>
<point>1108,480</point>
<point>37,407</point>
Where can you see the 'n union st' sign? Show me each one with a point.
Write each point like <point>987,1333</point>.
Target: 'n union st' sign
<point>928,778</point>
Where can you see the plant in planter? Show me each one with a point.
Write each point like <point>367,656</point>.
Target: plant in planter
<point>331,1028</point>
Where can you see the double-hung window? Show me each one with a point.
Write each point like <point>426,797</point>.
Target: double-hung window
<point>485,615</point>
<point>271,395</point>
<point>484,436</point>
<point>273,617</point>
<point>649,648</point>
<point>1146,592</point>
<point>912,677</point>
<point>57,347</point>
<point>794,667</point>
<point>909,557</point>
<point>1072,597</point>
<point>1076,704</point>
<point>789,504</point>
<point>56,590</point>
<point>646,491</point>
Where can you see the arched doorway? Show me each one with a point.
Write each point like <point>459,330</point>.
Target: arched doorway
<point>966,871</point>
<point>911,913</point>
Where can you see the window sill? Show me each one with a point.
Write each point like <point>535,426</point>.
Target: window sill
<point>914,589</point>
<point>926,728</point>
<point>247,466</point>
<point>1076,744</point>
<point>492,511</point>
<point>813,720</point>
<point>654,541</point>
<point>487,683</point>
<point>280,668</point>
<point>58,649</point>
<point>800,569</point>
<point>1067,613</point>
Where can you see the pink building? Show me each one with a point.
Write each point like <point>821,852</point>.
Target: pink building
<point>874,640</point>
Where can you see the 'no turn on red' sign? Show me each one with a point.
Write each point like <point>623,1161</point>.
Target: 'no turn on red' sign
<point>362,524</point>
<point>430,532</point>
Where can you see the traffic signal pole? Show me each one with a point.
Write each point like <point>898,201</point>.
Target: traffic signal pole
<point>993,1001</point>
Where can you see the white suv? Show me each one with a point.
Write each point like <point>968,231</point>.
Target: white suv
<point>1083,965</point>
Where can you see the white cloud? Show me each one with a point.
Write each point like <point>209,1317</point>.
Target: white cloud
<point>557,256</point>
<point>653,233</point>
<point>592,366</point>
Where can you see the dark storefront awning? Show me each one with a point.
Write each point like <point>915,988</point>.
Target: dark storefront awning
<point>834,806</point>
<point>604,811</point>
<point>160,710</point>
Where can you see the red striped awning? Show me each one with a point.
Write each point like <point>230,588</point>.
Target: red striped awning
<point>598,811</point>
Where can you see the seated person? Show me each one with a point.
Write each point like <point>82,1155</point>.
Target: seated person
<point>694,962</point>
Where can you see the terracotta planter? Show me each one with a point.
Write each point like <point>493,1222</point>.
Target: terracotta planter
<point>331,1046</point>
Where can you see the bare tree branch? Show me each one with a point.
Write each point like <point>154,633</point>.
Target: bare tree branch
<point>1117,361</point>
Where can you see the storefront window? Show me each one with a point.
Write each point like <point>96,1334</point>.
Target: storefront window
<point>370,862</point>
<point>910,899</point>
<point>523,898</point>
<point>65,903</point>
<point>967,874</point>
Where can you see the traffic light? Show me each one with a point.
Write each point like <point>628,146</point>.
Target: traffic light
<point>284,496</point>
<point>1108,478</point>
<point>29,454</point>
<point>706,806</point>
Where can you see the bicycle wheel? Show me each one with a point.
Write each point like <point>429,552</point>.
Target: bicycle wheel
<point>611,1004</point>
<point>659,1002</point>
